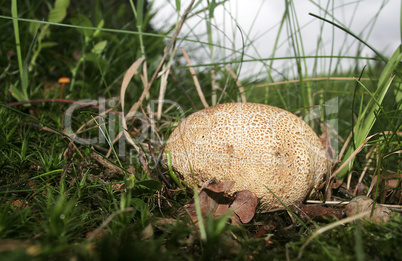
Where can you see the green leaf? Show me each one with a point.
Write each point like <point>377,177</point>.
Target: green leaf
<point>33,28</point>
<point>14,12</point>
<point>367,117</point>
<point>99,47</point>
<point>398,94</point>
<point>16,93</point>
<point>211,8</point>
<point>140,10</point>
<point>11,132</point>
<point>59,12</point>
<point>25,81</point>
<point>48,44</point>
<point>178,6</point>
<point>61,3</point>
<point>130,181</point>
<point>142,207</point>
<point>81,20</point>
<point>56,15</point>
<point>171,172</point>
<point>391,66</point>
<point>100,25</point>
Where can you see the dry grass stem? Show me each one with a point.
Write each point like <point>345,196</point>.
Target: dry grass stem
<point>162,90</point>
<point>136,105</point>
<point>329,227</point>
<point>214,87</point>
<point>311,80</point>
<point>133,70</point>
<point>196,82</point>
<point>344,147</point>
<point>238,83</point>
<point>352,156</point>
<point>366,167</point>
<point>328,202</point>
<point>395,152</point>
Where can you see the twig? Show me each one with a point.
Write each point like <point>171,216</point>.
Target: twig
<point>105,162</point>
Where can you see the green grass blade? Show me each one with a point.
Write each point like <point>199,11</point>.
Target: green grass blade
<point>14,13</point>
<point>352,34</point>
<point>200,219</point>
<point>367,117</point>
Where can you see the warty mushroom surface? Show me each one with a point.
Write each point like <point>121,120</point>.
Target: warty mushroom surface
<point>255,145</point>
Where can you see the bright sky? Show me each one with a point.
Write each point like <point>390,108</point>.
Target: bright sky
<point>375,21</point>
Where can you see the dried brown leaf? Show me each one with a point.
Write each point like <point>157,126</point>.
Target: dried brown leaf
<point>244,205</point>
<point>214,200</point>
<point>220,186</point>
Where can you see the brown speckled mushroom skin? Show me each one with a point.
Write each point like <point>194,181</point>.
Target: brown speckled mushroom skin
<point>255,145</point>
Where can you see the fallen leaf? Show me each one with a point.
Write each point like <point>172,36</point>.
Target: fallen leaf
<point>244,205</point>
<point>219,187</point>
<point>215,200</point>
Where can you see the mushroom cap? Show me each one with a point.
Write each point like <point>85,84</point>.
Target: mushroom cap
<point>255,145</point>
<point>64,80</point>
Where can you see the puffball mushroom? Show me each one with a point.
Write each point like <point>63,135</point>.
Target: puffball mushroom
<point>255,145</point>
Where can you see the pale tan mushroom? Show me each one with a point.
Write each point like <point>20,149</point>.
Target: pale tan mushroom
<point>255,145</point>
